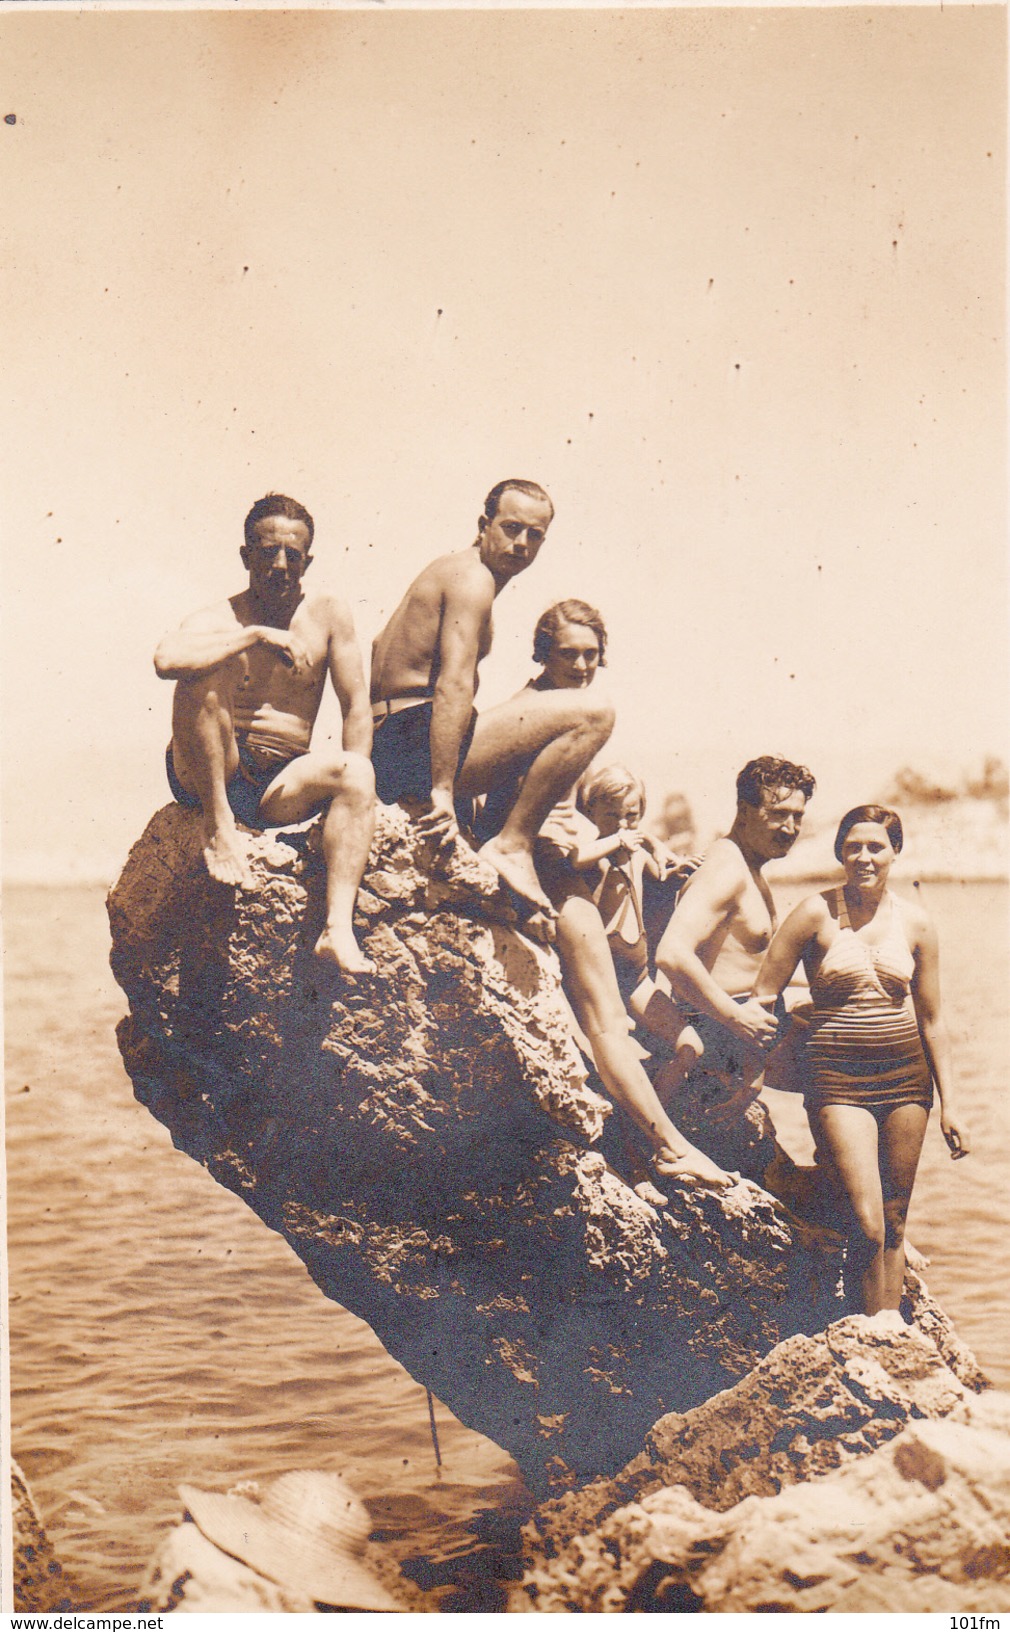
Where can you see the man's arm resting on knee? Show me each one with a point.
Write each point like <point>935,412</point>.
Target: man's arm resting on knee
<point>348,680</point>
<point>208,639</point>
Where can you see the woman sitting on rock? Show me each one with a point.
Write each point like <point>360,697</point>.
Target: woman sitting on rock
<point>876,1043</point>
<point>569,643</point>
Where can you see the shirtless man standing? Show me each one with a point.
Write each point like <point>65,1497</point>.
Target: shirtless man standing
<point>712,948</point>
<point>249,676</point>
<point>430,747</point>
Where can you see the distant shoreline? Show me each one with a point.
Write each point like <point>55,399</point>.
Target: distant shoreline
<point>779,873</point>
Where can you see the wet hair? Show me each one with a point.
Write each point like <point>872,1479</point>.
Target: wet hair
<point>880,815</point>
<point>532,490</point>
<point>549,626</point>
<point>769,774</point>
<point>277,504</point>
<point>606,782</point>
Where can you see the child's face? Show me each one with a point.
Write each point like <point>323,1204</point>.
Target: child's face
<point>612,811</point>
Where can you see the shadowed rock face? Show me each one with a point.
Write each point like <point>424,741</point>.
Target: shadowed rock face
<point>726,1509</point>
<point>427,1141</point>
<point>39,1585</point>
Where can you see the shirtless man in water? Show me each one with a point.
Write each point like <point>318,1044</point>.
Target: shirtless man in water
<point>249,676</point>
<point>722,925</point>
<point>430,747</point>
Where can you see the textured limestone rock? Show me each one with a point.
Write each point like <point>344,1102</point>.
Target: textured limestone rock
<point>731,1507</point>
<point>427,1141</point>
<point>39,1583</point>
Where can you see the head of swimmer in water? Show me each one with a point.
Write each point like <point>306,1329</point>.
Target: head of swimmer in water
<point>772,796</point>
<point>570,641</point>
<point>277,550</point>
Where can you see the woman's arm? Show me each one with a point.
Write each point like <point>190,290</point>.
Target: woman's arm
<point>933,1031</point>
<point>788,945</point>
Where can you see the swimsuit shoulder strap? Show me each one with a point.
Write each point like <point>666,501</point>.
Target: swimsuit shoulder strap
<point>841,908</point>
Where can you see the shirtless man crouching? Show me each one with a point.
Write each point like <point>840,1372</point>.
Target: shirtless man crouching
<point>430,746</point>
<point>249,676</point>
<point>721,927</point>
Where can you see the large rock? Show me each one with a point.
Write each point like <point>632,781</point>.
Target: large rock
<point>39,1583</point>
<point>427,1141</point>
<point>732,1507</point>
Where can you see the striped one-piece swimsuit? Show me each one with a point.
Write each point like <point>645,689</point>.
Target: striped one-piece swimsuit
<point>863,1045</point>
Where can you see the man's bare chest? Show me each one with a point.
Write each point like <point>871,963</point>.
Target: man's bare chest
<point>754,923</point>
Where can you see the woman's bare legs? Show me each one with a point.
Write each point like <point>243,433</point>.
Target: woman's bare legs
<point>902,1134</point>
<point>591,985</point>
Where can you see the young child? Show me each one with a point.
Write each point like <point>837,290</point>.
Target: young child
<point>613,802</point>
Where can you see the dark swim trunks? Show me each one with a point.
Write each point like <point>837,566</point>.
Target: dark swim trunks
<point>725,1053</point>
<point>401,755</point>
<point>245,789</point>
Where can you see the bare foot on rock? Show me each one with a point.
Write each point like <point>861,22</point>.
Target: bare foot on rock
<point>339,946</point>
<point>645,1190</point>
<point>225,857</point>
<point>516,868</point>
<point>693,1166</point>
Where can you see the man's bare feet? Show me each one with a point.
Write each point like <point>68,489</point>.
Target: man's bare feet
<point>517,869</point>
<point>693,1166</point>
<point>339,946</point>
<point>225,857</point>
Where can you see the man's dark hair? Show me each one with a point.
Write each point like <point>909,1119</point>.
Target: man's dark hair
<point>533,490</point>
<point>277,504</point>
<point>769,773</point>
<point>881,815</point>
<point>549,624</point>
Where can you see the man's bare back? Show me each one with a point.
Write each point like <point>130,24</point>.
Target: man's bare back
<point>406,656</point>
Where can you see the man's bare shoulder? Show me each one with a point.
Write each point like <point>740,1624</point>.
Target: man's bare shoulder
<point>222,615</point>
<point>723,870</point>
<point>461,578</point>
<point>329,611</point>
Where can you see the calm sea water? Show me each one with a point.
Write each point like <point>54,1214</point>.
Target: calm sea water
<point>161,1334</point>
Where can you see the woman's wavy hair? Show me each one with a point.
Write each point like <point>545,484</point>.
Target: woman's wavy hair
<point>880,815</point>
<point>549,624</point>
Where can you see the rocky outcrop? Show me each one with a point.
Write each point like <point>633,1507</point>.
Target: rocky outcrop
<point>428,1142</point>
<point>851,1471</point>
<point>39,1583</point>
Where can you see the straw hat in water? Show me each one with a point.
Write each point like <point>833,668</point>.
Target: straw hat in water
<point>307,1531</point>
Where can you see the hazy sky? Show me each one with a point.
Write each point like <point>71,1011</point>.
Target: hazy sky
<point>728,282</point>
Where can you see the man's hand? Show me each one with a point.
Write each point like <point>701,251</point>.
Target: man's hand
<point>753,1023</point>
<point>438,823</point>
<point>732,1108</point>
<point>290,651</point>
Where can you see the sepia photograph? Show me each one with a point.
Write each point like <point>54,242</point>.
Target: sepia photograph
<point>505,810</point>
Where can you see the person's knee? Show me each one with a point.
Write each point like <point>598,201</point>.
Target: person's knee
<point>871,1229</point>
<point>350,774</point>
<point>598,715</point>
<point>895,1215</point>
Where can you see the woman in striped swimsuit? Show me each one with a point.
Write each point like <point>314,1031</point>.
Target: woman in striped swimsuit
<point>876,1043</point>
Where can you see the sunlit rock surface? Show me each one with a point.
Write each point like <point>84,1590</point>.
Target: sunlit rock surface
<point>851,1471</point>
<point>427,1141</point>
